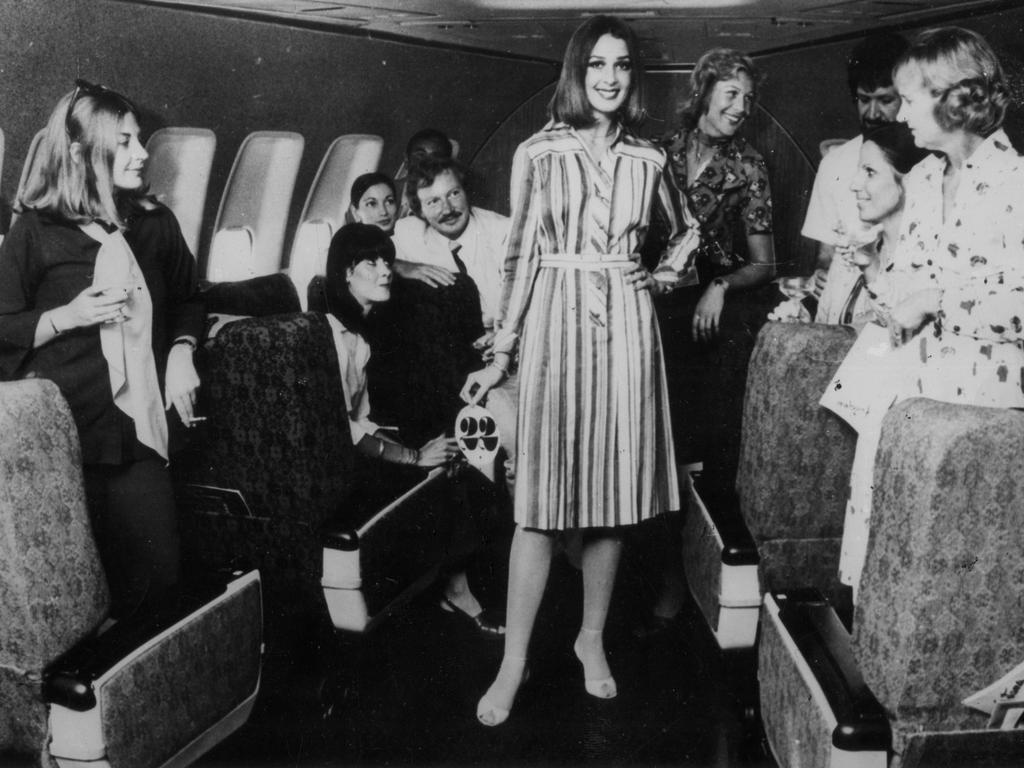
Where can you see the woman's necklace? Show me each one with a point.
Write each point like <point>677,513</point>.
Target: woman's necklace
<point>701,150</point>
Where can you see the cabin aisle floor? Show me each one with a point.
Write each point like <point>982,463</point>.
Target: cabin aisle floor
<point>406,694</point>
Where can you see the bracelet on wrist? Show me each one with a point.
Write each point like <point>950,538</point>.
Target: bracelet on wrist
<point>721,282</point>
<point>185,340</point>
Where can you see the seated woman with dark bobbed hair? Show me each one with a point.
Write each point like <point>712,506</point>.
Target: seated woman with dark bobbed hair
<point>417,384</point>
<point>358,279</point>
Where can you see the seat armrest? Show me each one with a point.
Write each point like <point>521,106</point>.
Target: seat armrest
<point>723,507</point>
<point>68,680</point>
<point>861,722</point>
<point>339,536</point>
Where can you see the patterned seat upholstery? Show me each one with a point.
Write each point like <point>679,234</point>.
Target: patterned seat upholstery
<point>271,478</point>
<point>153,690</point>
<point>939,616</point>
<point>795,456</point>
<point>52,589</point>
<point>778,523</point>
<point>276,443</point>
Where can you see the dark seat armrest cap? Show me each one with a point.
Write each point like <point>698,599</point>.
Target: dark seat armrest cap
<point>861,722</point>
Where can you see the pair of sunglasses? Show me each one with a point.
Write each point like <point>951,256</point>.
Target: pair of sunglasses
<point>82,88</point>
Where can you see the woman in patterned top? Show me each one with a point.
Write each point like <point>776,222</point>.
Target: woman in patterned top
<point>709,329</point>
<point>594,442</point>
<point>954,295</point>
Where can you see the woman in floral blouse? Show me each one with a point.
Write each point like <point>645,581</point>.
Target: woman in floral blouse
<point>954,294</point>
<point>709,329</point>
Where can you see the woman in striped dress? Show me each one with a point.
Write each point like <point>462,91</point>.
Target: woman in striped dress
<point>594,437</point>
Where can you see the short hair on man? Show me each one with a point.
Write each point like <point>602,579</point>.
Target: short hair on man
<point>424,173</point>
<point>872,61</point>
<point>430,136</point>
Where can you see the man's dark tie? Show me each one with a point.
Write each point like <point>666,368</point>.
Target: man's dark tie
<point>459,263</point>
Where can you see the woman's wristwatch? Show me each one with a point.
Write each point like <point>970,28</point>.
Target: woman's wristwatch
<point>721,282</point>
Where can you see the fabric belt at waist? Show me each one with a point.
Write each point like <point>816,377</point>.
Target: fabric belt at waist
<point>585,261</point>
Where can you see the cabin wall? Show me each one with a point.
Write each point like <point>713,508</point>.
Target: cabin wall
<point>806,88</point>
<point>235,76</point>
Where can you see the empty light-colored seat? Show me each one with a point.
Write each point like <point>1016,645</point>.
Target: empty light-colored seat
<point>248,239</point>
<point>327,204</point>
<point>178,172</point>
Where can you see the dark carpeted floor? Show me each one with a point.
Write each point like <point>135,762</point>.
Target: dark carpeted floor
<point>405,695</point>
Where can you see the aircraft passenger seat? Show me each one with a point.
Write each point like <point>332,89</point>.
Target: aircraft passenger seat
<point>780,524</point>
<point>178,172</point>
<point>939,616</point>
<point>248,234</point>
<point>327,204</point>
<point>269,482</point>
<point>76,690</point>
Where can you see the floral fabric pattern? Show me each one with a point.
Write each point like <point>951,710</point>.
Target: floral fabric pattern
<point>939,615</point>
<point>168,695</point>
<point>795,456</point>
<point>52,588</point>
<point>974,351</point>
<point>731,192</point>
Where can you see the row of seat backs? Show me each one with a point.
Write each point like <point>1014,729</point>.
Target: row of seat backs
<point>249,230</point>
<point>937,616</point>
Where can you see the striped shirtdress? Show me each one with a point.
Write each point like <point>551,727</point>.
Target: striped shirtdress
<point>594,436</point>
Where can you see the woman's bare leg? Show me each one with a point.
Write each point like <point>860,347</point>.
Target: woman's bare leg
<point>529,564</point>
<point>601,554</point>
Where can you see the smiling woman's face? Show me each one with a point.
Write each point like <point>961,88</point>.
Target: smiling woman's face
<point>609,75</point>
<point>876,185</point>
<point>729,104</point>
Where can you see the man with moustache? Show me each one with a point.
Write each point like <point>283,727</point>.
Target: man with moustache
<point>448,236</point>
<point>832,216</point>
<point>450,256</point>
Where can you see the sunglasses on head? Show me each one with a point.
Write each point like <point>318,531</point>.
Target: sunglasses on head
<point>82,88</point>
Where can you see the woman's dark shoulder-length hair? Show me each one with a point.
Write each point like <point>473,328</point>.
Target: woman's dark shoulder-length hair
<point>897,144</point>
<point>570,104</point>
<point>712,67</point>
<point>350,245</point>
<point>960,67</point>
<point>367,180</point>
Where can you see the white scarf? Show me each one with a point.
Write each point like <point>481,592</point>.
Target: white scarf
<point>128,345</point>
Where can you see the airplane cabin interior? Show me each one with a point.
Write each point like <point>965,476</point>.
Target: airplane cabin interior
<point>312,626</point>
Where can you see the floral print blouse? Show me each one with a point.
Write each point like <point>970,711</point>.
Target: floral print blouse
<point>731,191</point>
<point>976,256</point>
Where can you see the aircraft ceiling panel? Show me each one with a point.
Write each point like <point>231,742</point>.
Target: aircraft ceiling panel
<point>673,32</point>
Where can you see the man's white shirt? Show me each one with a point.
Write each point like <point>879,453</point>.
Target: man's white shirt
<point>483,245</point>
